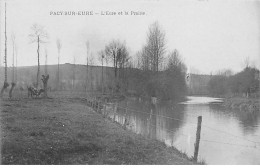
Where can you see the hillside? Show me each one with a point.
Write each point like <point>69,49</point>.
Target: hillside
<point>74,77</point>
<point>71,76</point>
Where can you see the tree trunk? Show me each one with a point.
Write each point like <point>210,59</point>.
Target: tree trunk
<point>38,71</point>
<point>5,60</point>
<point>86,85</point>
<point>3,88</point>
<point>11,90</point>
<point>102,78</point>
<point>58,77</point>
<point>45,85</point>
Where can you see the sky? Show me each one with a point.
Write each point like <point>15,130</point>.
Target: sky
<point>210,35</point>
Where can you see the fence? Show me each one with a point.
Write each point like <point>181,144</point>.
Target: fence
<point>102,107</point>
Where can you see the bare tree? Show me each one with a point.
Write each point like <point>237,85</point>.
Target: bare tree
<point>16,60</point>
<point>59,48</point>
<point>246,62</point>
<point>104,62</point>
<point>87,55</point>
<point>73,73</point>
<point>175,62</point>
<point>101,57</point>
<point>145,61</point>
<point>46,62</point>
<point>151,56</point>
<point>174,59</point>
<point>13,71</point>
<point>38,35</point>
<point>155,47</point>
<point>13,44</point>
<point>5,60</point>
<point>91,63</point>
<point>118,54</point>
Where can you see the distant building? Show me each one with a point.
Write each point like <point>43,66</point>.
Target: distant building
<point>197,84</point>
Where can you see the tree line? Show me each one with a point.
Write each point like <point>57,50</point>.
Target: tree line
<point>155,72</point>
<point>244,83</point>
<point>151,72</point>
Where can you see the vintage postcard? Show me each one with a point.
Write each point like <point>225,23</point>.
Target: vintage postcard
<point>130,82</point>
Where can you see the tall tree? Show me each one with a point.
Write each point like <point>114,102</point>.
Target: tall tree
<point>246,62</point>
<point>5,60</point>
<point>155,46</point>
<point>102,57</point>
<point>13,44</point>
<point>13,70</point>
<point>87,55</point>
<point>175,61</point>
<point>145,60</point>
<point>73,73</point>
<point>39,36</point>
<point>91,79</point>
<point>46,62</point>
<point>174,81</point>
<point>117,52</point>
<point>16,60</point>
<point>58,42</point>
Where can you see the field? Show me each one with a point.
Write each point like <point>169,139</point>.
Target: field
<point>64,130</point>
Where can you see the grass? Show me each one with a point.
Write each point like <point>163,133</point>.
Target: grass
<point>66,131</point>
<point>251,105</point>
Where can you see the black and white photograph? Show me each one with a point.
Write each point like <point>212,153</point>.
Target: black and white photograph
<point>129,82</point>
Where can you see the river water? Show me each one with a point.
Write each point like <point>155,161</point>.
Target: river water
<point>227,137</point>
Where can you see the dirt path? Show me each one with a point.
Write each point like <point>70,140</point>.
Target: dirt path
<point>66,131</point>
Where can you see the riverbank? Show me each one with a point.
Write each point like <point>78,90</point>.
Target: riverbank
<point>251,105</point>
<point>66,131</point>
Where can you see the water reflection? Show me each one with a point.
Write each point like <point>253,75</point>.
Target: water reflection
<point>164,128</point>
<point>159,121</point>
<point>175,124</point>
<point>249,122</point>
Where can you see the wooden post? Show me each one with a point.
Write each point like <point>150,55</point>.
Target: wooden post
<point>115,110</point>
<point>125,122</point>
<point>196,145</point>
<point>150,123</point>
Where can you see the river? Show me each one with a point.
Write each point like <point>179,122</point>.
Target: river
<point>227,136</point>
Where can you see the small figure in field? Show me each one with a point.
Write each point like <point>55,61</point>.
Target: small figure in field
<point>34,92</point>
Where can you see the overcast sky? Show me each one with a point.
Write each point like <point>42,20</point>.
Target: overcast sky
<point>210,34</point>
